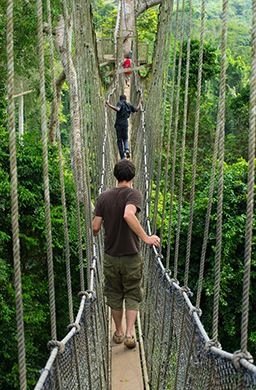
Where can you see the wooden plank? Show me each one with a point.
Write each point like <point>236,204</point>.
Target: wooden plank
<point>126,367</point>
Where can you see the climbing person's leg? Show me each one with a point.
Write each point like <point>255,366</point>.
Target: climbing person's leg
<point>125,141</point>
<point>119,140</point>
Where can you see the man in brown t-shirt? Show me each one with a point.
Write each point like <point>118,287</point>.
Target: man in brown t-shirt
<point>116,209</point>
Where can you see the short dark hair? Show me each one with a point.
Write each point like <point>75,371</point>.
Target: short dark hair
<point>122,97</point>
<point>124,170</point>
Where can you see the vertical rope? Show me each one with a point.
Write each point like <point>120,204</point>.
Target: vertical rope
<point>45,170</point>
<point>175,134</point>
<point>170,131</point>
<point>250,196</point>
<point>221,125</point>
<point>162,127</point>
<point>14,200</point>
<point>196,136</point>
<point>62,182</point>
<point>195,146</point>
<point>184,130</point>
<point>76,167</point>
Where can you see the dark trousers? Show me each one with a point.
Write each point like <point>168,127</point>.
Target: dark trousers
<point>122,140</point>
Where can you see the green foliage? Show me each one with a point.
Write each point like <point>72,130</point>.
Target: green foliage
<point>234,218</point>
<point>104,17</point>
<point>33,257</point>
<point>147,28</point>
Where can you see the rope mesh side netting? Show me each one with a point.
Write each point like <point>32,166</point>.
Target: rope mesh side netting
<point>179,353</point>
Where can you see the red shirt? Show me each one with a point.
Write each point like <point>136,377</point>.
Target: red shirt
<point>127,64</point>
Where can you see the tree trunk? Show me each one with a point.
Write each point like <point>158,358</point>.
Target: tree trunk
<point>63,43</point>
<point>55,106</point>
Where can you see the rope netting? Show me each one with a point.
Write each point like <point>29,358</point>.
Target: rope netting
<point>179,353</point>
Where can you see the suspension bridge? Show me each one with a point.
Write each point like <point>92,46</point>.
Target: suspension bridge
<point>174,350</point>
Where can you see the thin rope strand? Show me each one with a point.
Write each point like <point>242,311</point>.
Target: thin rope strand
<point>250,196</point>
<point>46,171</point>
<point>14,200</point>
<point>62,181</point>
<point>221,125</point>
<point>183,146</point>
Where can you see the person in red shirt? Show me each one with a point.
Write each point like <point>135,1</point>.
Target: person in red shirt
<point>127,64</point>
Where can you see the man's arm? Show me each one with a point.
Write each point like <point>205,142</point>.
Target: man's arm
<point>134,224</point>
<point>96,225</point>
<point>113,107</point>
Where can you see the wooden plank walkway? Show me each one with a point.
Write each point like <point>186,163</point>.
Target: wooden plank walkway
<point>126,367</point>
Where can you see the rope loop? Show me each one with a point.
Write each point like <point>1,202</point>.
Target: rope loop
<point>212,343</point>
<point>195,309</point>
<point>168,271</point>
<point>174,280</point>
<point>159,256</point>
<point>74,325</point>
<point>93,267</point>
<point>89,294</point>
<point>187,290</point>
<point>238,355</point>
<point>55,343</point>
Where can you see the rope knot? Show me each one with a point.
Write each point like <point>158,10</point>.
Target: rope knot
<point>195,309</point>
<point>93,267</point>
<point>174,280</point>
<point>168,271</point>
<point>238,355</point>
<point>212,343</point>
<point>74,325</point>
<point>89,294</point>
<point>55,343</point>
<point>158,256</point>
<point>187,290</point>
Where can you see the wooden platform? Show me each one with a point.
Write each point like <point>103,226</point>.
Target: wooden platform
<point>126,367</point>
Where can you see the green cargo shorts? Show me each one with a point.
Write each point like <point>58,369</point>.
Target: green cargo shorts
<point>123,281</point>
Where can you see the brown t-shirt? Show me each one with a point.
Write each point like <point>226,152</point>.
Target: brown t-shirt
<point>120,240</point>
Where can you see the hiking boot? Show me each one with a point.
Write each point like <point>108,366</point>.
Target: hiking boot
<point>127,153</point>
<point>130,342</point>
<point>118,339</point>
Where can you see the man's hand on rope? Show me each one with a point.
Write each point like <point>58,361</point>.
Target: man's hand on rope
<point>153,240</point>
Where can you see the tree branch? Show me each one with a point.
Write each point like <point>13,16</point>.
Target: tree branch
<point>145,5</point>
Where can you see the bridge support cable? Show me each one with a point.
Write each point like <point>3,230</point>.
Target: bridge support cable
<point>46,171</point>
<point>170,95</point>
<point>221,126</point>
<point>183,146</point>
<point>244,354</point>
<point>62,182</point>
<point>166,76</point>
<point>14,200</point>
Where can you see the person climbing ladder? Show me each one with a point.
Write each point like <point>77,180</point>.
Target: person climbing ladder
<point>126,65</point>
<point>123,110</point>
